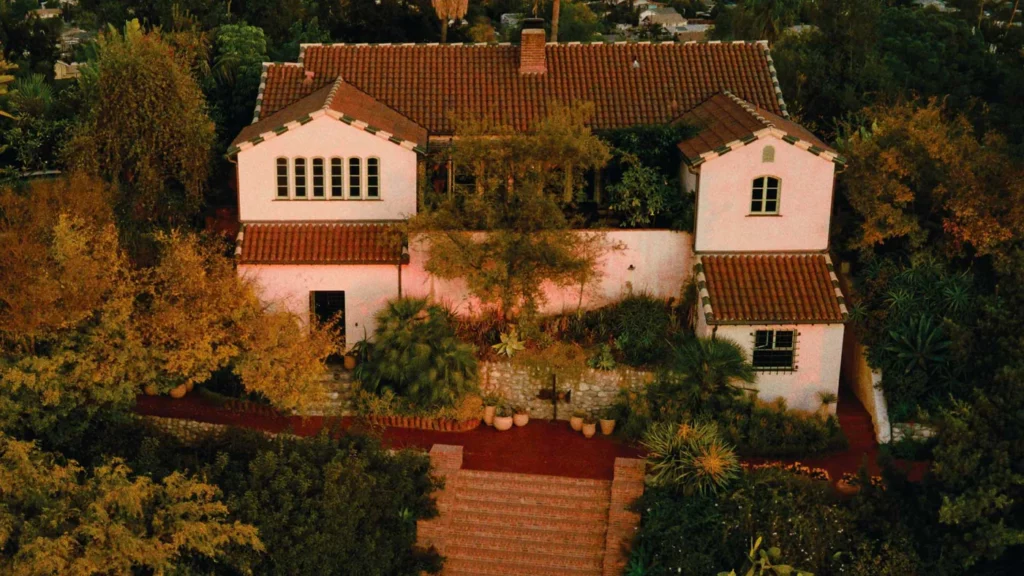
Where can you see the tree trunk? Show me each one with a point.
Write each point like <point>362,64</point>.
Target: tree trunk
<point>555,9</point>
<point>444,30</point>
<point>1012,14</point>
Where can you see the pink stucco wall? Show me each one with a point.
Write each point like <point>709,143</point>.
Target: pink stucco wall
<point>662,263</point>
<point>724,222</point>
<point>325,137</point>
<point>819,352</point>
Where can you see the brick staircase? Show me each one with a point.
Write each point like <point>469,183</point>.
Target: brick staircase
<point>856,423</point>
<point>498,523</point>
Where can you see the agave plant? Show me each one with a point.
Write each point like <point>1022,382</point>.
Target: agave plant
<point>920,344</point>
<point>510,343</point>
<point>689,457</point>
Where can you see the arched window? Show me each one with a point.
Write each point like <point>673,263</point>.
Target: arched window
<point>768,154</point>
<point>282,177</point>
<point>765,196</point>
<point>318,178</point>
<point>355,178</point>
<point>373,178</point>
<point>337,179</point>
<point>300,177</point>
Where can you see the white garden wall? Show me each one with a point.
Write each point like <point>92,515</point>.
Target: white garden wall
<point>864,381</point>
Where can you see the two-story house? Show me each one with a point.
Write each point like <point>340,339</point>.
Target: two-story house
<point>336,159</point>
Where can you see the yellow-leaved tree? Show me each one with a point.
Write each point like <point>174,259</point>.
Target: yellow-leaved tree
<point>62,519</point>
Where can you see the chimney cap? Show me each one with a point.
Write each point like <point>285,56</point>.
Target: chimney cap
<point>533,23</point>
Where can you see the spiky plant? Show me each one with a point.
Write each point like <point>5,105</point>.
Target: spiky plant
<point>690,457</point>
<point>711,369</point>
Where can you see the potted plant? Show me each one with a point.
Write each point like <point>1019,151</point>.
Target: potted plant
<point>589,427</point>
<point>827,400</point>
<point>502,417</point>
<point>178,391</point>
<point>521,416</point>
<point>150,390</point>
<point>490,403</point>
<point>607,422</point>
<point>576,421</point>
<point>848,485</point>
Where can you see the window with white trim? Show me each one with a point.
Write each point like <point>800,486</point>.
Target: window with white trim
<point>355,178</point>
<point>300,177</point>
<point>764,198</point>
<point>373,178</point>
<point>282,177</point>
<point>318,178</point>
<point>774,350</point>
<point>337,178</point>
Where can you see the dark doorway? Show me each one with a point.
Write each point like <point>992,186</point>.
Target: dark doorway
<point>329,306</point>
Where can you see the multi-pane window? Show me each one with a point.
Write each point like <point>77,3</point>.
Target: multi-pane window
<point>300,177</point>
<point>337,178</point>
<point>282,177</point>
<point>372,178</point>
<point>765,196</point>
<point>355,178</point>
<point>318,177</point>
<point>774,349</point>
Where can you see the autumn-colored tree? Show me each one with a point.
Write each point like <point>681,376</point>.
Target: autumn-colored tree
<point>5,79</point>
<point>66,297</point>
<point>449,10</point>
<point>61,519</point>
<point>520,182</point>
<point>923,176</point>
<point>146,128</point>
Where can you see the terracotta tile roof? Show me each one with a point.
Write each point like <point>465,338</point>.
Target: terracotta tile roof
<point>351,103</point>
<point>725,118</point>
<point>769,288</point>
<point>430,83</point>
<point>320,243</point>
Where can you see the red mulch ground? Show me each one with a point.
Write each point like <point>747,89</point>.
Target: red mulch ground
<point>541,447</point>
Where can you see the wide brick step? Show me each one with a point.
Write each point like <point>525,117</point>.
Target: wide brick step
<point>483,507</point>
<point>553,547</point>
<point>476,567</point>
<point>542,487</point>
<point>531,478</point>
<point>516,559</point>
<point>526,526</point>
<point>516,498</point>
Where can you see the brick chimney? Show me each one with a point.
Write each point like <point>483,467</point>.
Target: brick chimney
<point>531,47</point>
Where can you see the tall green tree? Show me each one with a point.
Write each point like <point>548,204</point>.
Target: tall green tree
<point>146,128</point>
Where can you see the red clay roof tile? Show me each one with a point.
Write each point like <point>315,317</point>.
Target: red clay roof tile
<point>321,243</point>
<point>755,288</point>
<point>430,83</point>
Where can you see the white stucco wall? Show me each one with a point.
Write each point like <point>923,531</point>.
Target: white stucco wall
<point>864,381</point>
<point>662,262</point>
<point>325,137</point>
<point>366,288</point>
<point>818,355</point>
<point>724,222</point>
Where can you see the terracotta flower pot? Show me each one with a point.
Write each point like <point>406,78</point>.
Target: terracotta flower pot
<point>847,489</point>
<point>150,390</point>
<point>589,430</point>
<point>350,362</point>
<point>489,415</point>
<point>178,391</point>
<point>607,426</point>
<point>502,423</point>
<point>576,422</point>
<point>521,419</point>
<point>190,386</point>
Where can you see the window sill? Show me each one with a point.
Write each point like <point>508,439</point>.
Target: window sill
<point>764,215</point>
<point>772,370</point>
<point>328,199</point>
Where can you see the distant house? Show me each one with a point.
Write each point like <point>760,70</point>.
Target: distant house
<point>44,13</point>
<point>666,17</point>
<point>347,143</point>
<point>64,71</point>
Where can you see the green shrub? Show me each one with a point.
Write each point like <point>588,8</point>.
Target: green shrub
<point>416,354</point>
<point>641,328</point>
<point>772,431</point>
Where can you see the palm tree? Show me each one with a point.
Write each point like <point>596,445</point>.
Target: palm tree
<point>555,9</point>
<point>31,96</point>
<point>449,10</point>
<point>712,369</point>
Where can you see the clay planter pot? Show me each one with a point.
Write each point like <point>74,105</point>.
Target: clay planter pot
<point>178,391</point>
<point>489,415</point>
<point>190,386</point>
<point>521,419</point>
<point>607,427</point>
<point>846,489</point>
<point>150,390</point>
<point>350,362</point>
<point>589,430</point>
<point>502,423</point>
<point>576,422</point>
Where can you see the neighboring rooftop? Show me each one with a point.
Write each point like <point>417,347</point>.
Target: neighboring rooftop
<point>630,84</point>
<point>319,243</point>
<point>727,121</point>
<point>769,288</point>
